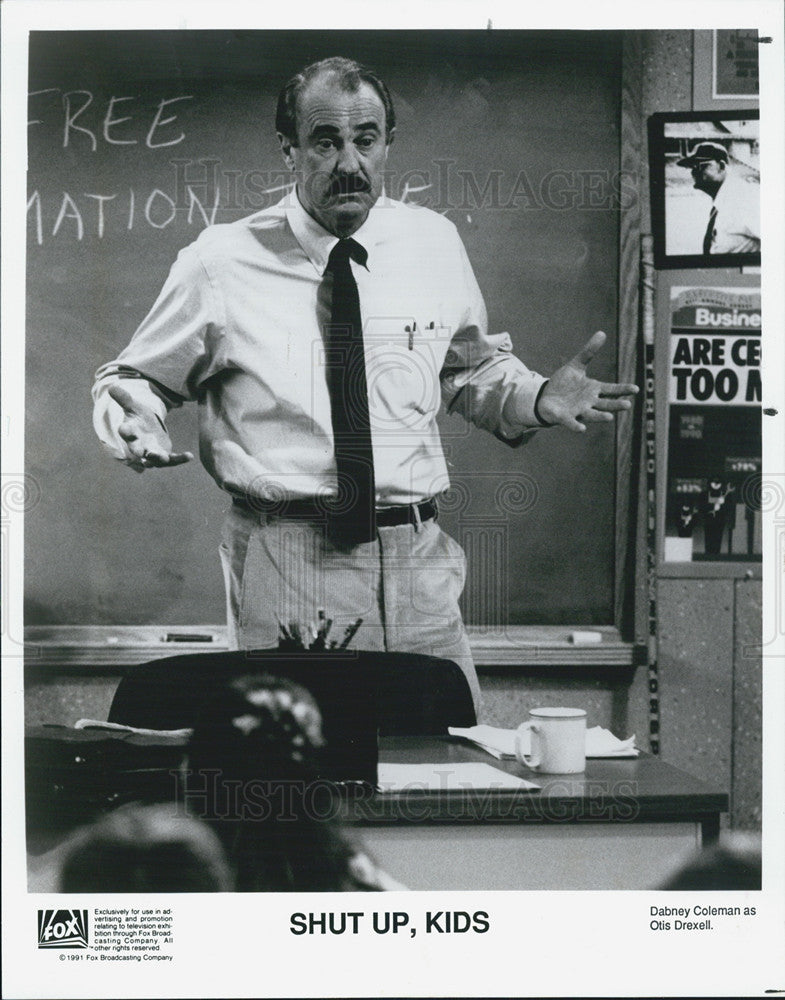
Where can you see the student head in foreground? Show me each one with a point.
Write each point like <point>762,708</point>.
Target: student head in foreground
<point>141,848</point>
<point>252,775</point>
<point>734,864</point>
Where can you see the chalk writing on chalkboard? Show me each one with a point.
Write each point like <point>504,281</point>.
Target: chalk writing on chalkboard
<point>154,134</point>
<point>158,210</point>
<point>74,213</point>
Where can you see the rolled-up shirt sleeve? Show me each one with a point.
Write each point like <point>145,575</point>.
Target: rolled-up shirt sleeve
<point>481,378</point>
<point>168,356</point>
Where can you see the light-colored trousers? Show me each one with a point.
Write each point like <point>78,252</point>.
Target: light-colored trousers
<point>405,586</point>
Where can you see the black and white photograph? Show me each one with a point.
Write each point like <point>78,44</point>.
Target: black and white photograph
<point>382,511</point>
<point>705,173</point>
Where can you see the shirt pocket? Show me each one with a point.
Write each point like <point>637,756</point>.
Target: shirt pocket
<point>404,356</point>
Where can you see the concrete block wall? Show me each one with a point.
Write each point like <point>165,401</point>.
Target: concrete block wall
<point>65,698</point>
<point>747,733</point>
<point>710,686</point>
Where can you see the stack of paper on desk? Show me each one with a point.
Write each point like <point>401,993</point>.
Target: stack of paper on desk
<point>453,777</point>
<point>501,742</point>
<point>133,730</point>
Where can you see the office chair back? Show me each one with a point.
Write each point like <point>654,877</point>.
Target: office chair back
<point>409,693</point>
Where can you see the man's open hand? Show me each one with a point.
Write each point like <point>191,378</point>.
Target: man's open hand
<point>147,441</point>
<point>572,399</point>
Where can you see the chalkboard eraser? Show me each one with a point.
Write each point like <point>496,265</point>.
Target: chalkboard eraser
<point>187,637</point>
<point>585,638</point>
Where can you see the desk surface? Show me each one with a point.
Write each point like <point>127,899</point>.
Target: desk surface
<point>637,789</point>
<point>641,789</point>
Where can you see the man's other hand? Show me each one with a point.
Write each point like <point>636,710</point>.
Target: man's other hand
<point>146,439</point>
<point>572,399</point>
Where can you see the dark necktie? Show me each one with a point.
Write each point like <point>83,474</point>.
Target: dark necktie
<point>353,519</point>
<point>708,239</point>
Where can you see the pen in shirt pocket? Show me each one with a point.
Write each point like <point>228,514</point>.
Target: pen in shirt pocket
<point>411,330</point>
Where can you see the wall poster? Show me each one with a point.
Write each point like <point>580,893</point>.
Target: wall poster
<point>714,426</point>
<point>735,63</point>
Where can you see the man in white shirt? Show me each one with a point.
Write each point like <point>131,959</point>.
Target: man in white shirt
<point>242,327</point>
<point>733,225</point>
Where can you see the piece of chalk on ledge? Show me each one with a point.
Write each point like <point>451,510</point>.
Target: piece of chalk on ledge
<point>585,638</point>
<point>187,637</point>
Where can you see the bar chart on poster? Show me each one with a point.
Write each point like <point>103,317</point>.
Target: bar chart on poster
<point>139,140</point>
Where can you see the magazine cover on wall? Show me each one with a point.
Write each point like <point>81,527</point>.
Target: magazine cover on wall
<point>713,510</point>
<point>705,187</point>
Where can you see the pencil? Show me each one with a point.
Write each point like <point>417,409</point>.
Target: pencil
<point>350,632</point>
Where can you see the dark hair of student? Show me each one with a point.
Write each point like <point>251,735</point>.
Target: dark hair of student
<point>734,864</point>
<point>252,774</point>
<point>151,848</point>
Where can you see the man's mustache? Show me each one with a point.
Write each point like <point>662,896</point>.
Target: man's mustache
<point>348,185</point>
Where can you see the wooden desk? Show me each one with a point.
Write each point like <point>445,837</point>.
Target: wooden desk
<point>624,824</point>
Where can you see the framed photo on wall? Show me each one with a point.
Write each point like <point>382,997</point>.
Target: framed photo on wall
<point>705,188</point>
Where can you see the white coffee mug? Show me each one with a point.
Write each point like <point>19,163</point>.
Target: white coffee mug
<point>558,741</point>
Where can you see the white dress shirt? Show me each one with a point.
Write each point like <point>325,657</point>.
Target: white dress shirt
<point>238,328</point>
<point>737,224</point>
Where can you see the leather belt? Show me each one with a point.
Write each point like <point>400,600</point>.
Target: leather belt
<point>310,510</point>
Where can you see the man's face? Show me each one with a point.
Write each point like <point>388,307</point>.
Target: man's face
<point>341,153</point>
<point>708,175</point>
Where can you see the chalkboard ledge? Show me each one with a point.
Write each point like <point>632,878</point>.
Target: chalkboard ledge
<point>94,648</point>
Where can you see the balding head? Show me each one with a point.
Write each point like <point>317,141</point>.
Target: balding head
<point>342,125</point>
<point>348,74</point>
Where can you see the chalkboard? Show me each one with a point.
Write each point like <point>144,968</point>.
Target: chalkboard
<point>138,139</point>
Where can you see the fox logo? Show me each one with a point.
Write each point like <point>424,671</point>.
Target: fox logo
<point>62,928</point>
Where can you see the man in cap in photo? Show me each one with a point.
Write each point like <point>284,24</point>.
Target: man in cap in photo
<point>733,225</point>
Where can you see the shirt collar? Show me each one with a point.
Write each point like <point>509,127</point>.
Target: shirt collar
<point>317,243</point>
<point>724,194</point>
